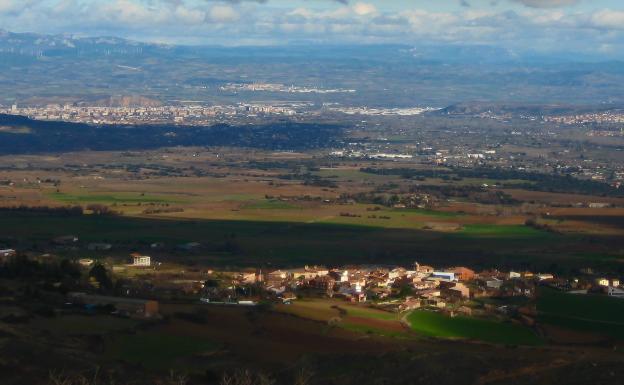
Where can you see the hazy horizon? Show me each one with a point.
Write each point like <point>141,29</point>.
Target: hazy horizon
<point>591,28</point>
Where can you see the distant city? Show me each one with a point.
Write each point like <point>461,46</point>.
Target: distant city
<point>191,114</point>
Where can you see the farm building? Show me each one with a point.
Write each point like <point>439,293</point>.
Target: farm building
<point>494,283</point>
<point>424,269</point>
<point>276,278</point>
<point>545,277</point>
<point>128,306</point>
<point>6,254</point>
<point>307,272</point>
<point>141,260</point>
<point>435,302</point>
<point>614,282</point>
<point>446,275</point>
<point>463,273</point>
<point>250,276</point>
<point>453,290</point>
<point>324,282</point>
<point>410,303</point>
<point>86,262</point>
<point>397,273</point>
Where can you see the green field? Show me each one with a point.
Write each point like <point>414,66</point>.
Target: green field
<point>294,243</point>
<point>371,313</point>
<point>269,204</point>
<point>589,313</point>
<point>118,198</point>
<point>349,174</point>
<point>157,350</point>
<point>372,330</point>
<point>440,326</point>
<point>428,213</point>
<point>488,230</point>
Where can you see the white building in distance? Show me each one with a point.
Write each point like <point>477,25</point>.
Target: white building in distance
<point>141,260</point>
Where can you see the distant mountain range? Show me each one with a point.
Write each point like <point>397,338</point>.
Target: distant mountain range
<point>39,69</point>
<point>38,45</point>
<point>32,44</point>
<point>518,109</point>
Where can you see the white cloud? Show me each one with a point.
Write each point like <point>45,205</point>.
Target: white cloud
<point>364,9</point>
<point>16,6</point>
<point>223,14</point>
<point>232,22</point>
<point>421,20</point>
<point>302,12</point>
<point>128,11</point>
<point>189,16</point>
<point>608,19</point>
<point>547,3</point>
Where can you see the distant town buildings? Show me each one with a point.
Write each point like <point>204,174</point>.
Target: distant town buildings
<point>276,87</point>
<point>6,255</point>
<point>141,260</point>
<point>179,114</point>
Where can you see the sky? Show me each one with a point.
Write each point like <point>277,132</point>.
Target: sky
<point>587,26</point>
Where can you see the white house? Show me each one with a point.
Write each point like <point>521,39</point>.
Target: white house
<point>443,275</point>
<point>7,253</point>
<point>603,282</point>
<point>141,260</point>
<point>494,283</point>
<point>86,262</point>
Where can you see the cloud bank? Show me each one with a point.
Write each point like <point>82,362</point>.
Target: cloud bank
<point>539,24</point>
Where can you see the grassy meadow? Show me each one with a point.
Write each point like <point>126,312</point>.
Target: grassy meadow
<point>155,350</point>
<point>596,314</point>
<point>351,317</point>
<point>264,218</point>
<point>437,325</point>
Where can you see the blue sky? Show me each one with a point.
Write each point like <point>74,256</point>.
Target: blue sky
<point>589,26</point>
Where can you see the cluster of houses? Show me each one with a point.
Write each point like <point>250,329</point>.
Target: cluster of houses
<point>396,288</point>
<point>409,289</point>
<point>420,286</point>
<point>609,286</point>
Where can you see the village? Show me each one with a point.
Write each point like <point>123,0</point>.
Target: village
<point>135,287</point>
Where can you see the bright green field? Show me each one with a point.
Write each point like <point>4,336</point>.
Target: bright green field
<point>590,313</point>
<point>155,350</point>
<point>438,325</point>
